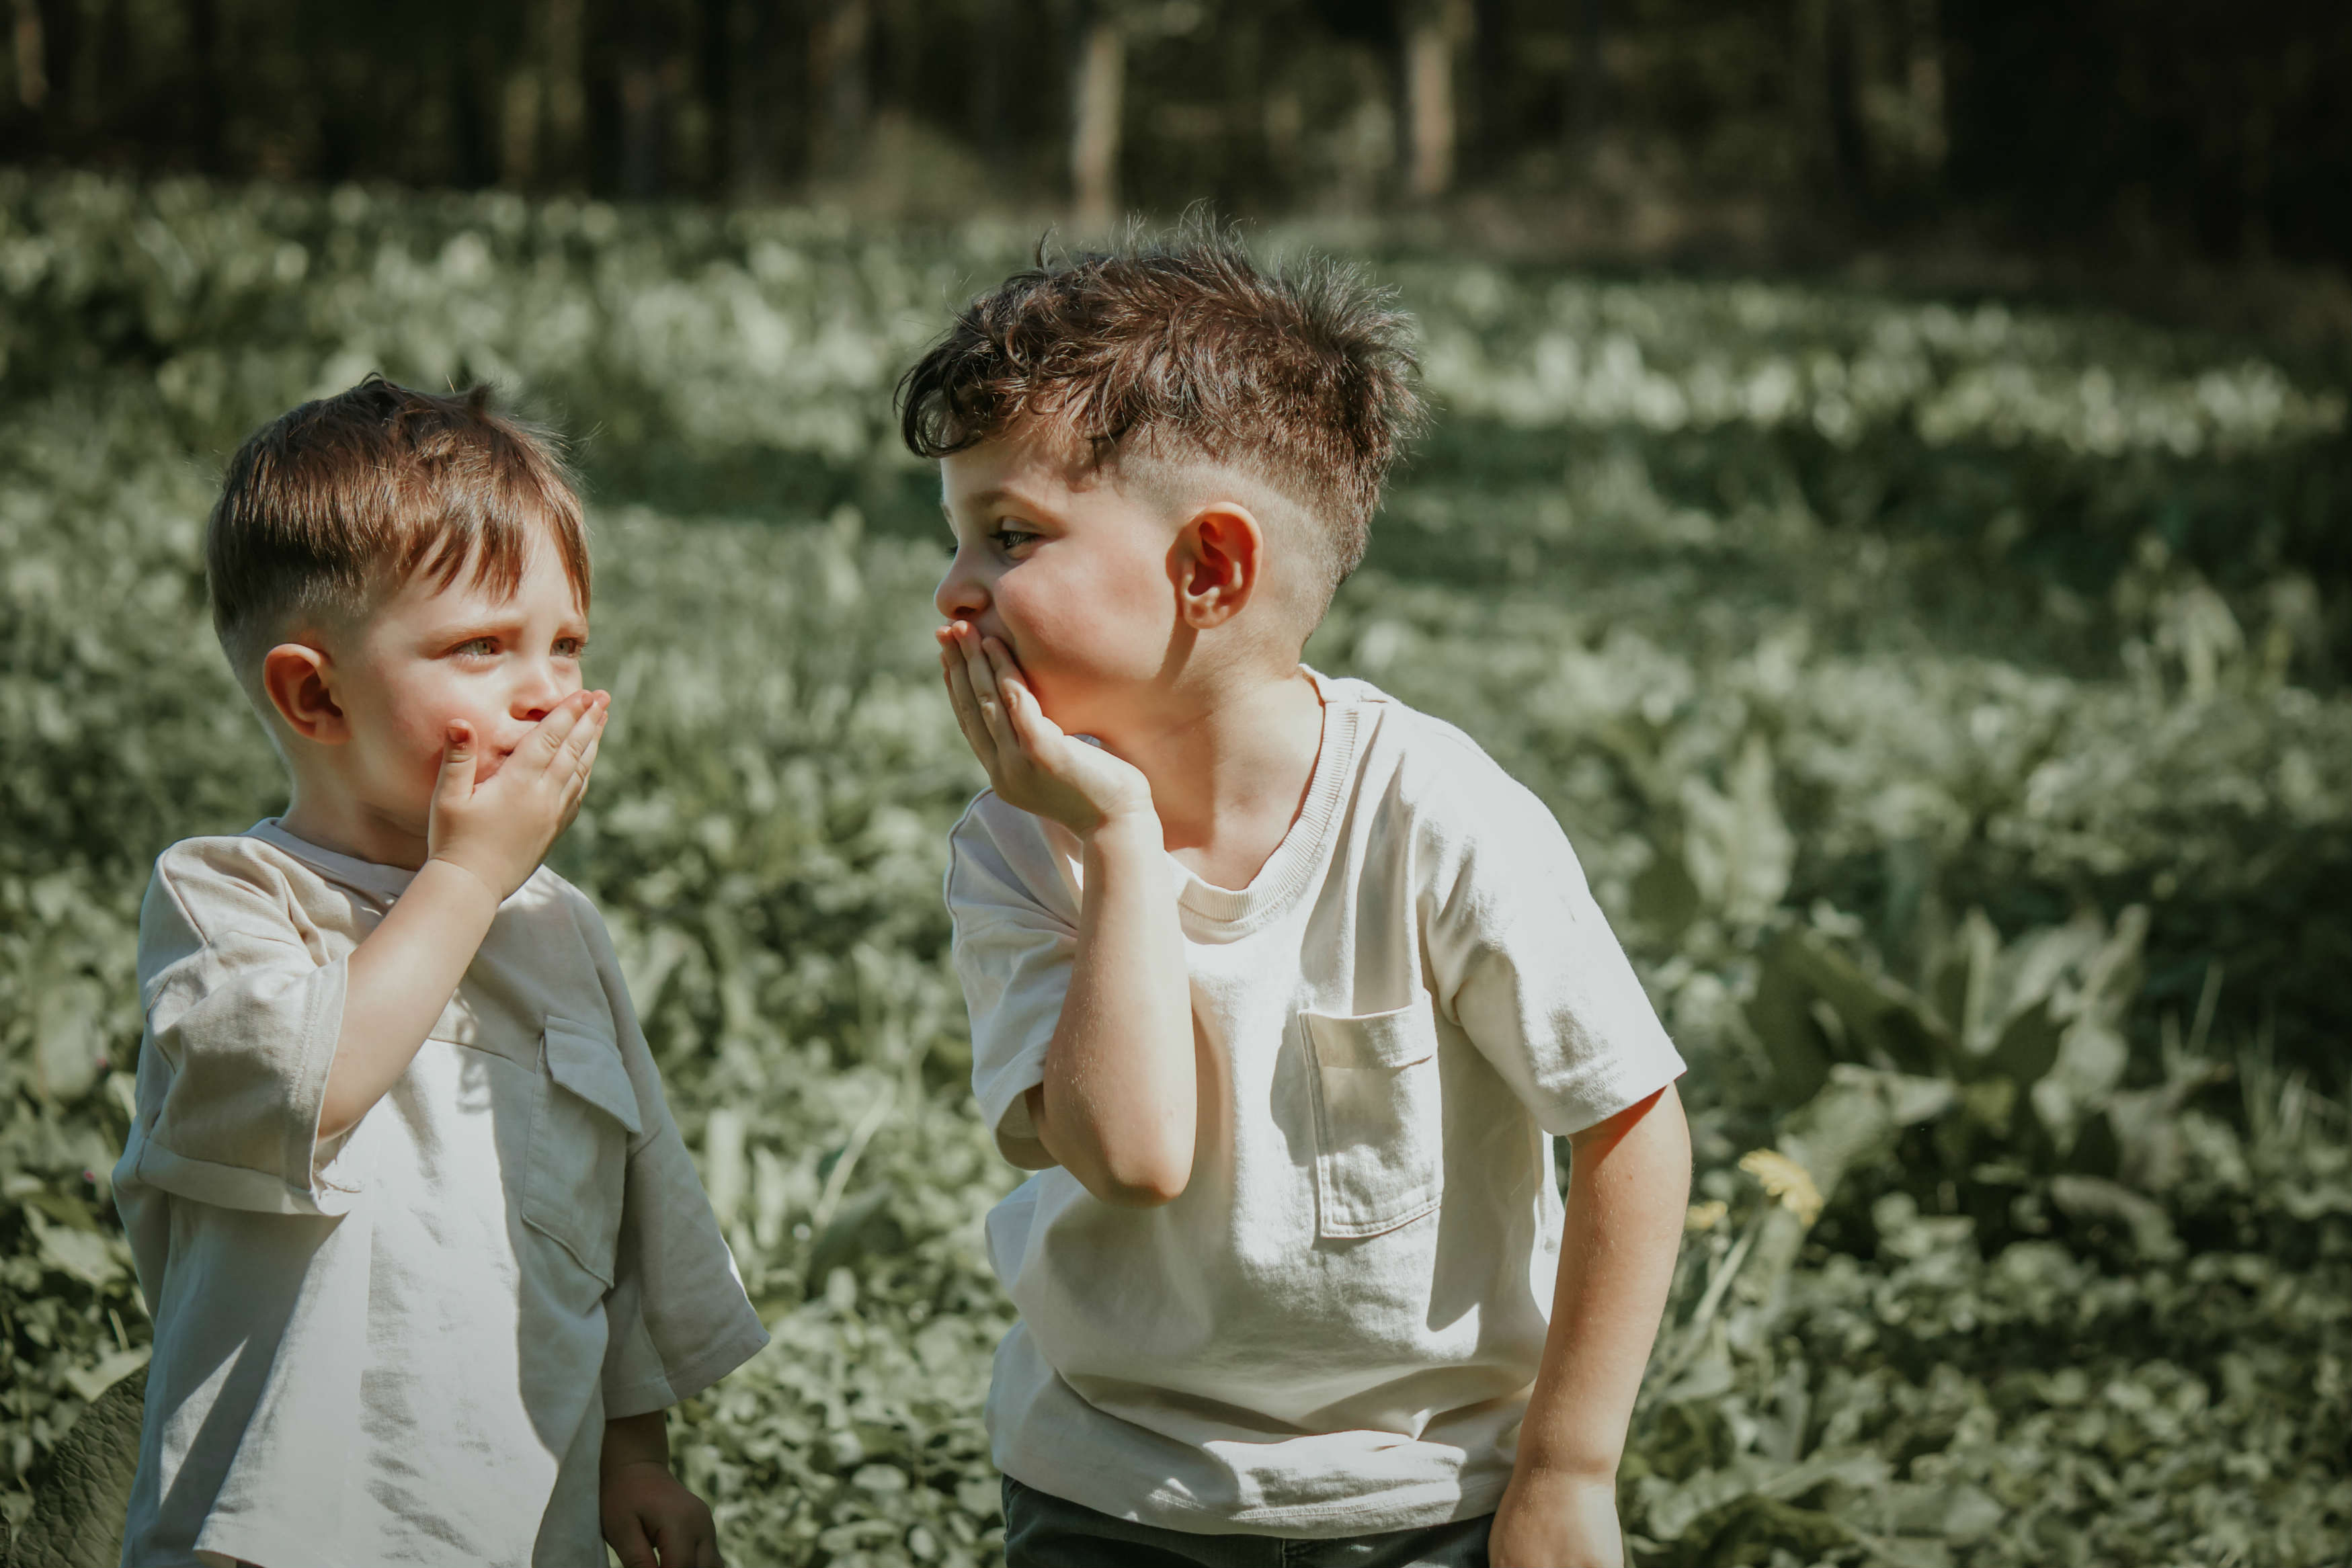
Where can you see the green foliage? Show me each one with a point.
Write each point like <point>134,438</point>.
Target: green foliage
<point>1985,859</point>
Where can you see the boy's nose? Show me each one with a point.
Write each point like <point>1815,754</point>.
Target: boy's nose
<point>536,695</point>
<point>960,596</point>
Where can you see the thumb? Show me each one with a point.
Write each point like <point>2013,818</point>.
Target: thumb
<point>455,785</point>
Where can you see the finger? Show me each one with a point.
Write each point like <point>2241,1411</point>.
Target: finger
<point>576,789</point>
<point>988,695</point>
<point>626,1535</point>
<point>455,785</point>
<point>707,1553</point>
<point>584,733</point>
<point>1030,726</point>
<point>1024,715</point>
<point>556,728</point>
<point>670,1540</point>
<point>966,704</point>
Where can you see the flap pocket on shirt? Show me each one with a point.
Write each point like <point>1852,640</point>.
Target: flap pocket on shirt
<point>1396,1039</point>
<point>584,1116</point>
<point>588,1064</point>
<point>1379,1119</point>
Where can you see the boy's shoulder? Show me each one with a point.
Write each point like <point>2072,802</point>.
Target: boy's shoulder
<point>237,875</point>
<point>1430,767</point>
<point>194,876</point>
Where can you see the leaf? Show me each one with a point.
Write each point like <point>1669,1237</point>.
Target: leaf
<point>1666,899</point>
<point>2093,1198</point>
<point>85,1255</point>
<point>1737,849</point>
<point>83,1491</point>
<point>90,1384</point>
<point>70,1029</point>
<point>1887,1020</point>
<point>2027,1046</point>
<point>846,1234</point>
<point>1779,1013</point>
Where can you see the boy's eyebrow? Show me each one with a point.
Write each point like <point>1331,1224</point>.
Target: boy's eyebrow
<point>982,499</point>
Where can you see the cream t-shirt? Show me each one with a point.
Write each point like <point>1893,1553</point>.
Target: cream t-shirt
<point>401,1346</point>
<point>1333,1330</point>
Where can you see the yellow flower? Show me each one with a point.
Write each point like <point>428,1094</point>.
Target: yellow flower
<point>1786,1180</point>
<point>1704,1217</point>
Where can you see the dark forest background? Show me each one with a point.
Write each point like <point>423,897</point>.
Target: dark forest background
<point>2201,132</point>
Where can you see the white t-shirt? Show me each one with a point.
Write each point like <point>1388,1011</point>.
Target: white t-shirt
<point>1333,1330</point>
<point>401,1346</point>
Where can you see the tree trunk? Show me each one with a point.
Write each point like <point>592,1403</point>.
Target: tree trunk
<point>1094,130</point>
<point>988,98</point>
<point>32,55</point>
<point>1429,119</point>
<point>1841,91</point>
<point>751,83</point>
<point>1587,109</point>
<point>204,102</point>
<point>643,100</point>
<point>566,153</point>
<point>838,59</point>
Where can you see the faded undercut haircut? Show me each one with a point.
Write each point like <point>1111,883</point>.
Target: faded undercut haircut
<point>328,508</point>
<point>1302,377</point>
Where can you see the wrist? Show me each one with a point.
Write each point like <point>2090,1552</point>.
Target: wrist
<point>1546,1469</point>
<point>462,881</point>
<point>1130,828</point>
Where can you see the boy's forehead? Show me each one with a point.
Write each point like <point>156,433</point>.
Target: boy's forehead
<point>1050,463</point>
<point>1038,464</point>
<point>468,583</point>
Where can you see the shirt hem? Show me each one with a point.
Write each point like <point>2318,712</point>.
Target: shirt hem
<point>1377,1514</point>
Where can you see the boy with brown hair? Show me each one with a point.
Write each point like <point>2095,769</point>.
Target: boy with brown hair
<point>425,1253</point>
<point>1284,988</point>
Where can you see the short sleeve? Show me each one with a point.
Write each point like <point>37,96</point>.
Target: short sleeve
<point>242,1023</point>
<point>678,1317</point>
<point>1523,960</point>
<point>1013,951</point>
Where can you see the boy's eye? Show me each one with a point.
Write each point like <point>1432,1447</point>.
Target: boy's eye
<point>479,646</point>
<point>1011,539</point>
<point>571,647</point>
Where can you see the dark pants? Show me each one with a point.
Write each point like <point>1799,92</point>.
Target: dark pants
<point>1046,1531</point>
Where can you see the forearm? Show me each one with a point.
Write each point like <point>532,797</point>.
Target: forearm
<point>1628,1192</point>
<point>399,980</point>
<point>635,1440</point>
<point>1118,1105</point>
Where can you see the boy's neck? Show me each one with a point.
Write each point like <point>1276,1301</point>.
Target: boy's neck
<point>1231,776</point>
<point>336,820</point>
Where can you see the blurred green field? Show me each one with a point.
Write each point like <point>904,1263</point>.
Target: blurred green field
<point>1946,697</point>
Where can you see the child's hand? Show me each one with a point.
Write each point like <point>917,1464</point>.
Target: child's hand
<point>1031,763</point>
<point>651,1521</point>
<point>1558,1522</point>
<point>500,829</point>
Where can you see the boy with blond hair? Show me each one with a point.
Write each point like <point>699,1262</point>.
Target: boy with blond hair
<point>1283,987</point>
<point>426,1255</point>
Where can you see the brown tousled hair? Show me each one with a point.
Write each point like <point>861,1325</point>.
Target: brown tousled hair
<point>1304,378</point>
<point>340,500</point>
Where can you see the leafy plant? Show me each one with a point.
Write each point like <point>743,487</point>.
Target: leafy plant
<point>1934,802</point>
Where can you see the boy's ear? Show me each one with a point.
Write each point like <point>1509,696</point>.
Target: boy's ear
<point>1221,556</point>
<point>295,675</point>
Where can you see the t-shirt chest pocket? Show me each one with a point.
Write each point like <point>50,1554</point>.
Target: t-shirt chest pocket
<point>1379,1119</point>
<point>584,1116</point>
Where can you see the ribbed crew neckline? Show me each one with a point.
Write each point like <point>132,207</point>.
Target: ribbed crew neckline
<point>1291,868</point>
<point>371,877</point>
